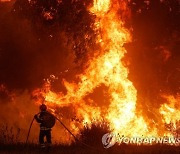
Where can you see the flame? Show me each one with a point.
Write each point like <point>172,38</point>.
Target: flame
<point>170,111</point>
<point>107,68</point>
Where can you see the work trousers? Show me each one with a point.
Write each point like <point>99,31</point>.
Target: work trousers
<point>45,133</point>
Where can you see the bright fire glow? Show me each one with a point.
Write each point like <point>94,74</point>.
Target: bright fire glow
<point>108,69</point>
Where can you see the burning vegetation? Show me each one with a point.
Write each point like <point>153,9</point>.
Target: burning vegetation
<point>103,61</point>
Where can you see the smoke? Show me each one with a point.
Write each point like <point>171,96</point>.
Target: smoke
<point>34,45</point>
<point>27,57</point>
<point>41,38</point>
<point>154,52</point>
<point>153,55</point>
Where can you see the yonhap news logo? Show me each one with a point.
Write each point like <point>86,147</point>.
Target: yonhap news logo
<point>109,139</point>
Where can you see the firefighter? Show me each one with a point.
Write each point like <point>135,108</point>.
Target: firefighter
<point>47,121</point>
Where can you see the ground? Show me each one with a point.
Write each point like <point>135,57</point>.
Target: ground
<point>81,149</point>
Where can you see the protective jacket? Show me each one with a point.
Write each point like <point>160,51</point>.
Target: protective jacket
<point>46,120</point>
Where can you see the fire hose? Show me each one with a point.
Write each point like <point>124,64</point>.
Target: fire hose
<point>64,127</point>
<point>29,130</point>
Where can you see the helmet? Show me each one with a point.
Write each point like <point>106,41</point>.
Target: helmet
<point>43,107</point>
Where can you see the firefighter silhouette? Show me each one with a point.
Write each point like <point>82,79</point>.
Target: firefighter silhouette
<point>47,121</point>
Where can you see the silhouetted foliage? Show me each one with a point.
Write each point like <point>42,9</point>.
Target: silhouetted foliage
<point>93,135</point>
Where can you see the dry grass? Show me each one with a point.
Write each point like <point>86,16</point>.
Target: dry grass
<point>9,135</point>
<point>10,144</point>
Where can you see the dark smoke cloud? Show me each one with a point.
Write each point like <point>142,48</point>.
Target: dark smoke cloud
<point>69,16</point>
<point>39,38</point>
<point>27,57</point>
<point>154,53</point>
<point>32,47</point>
